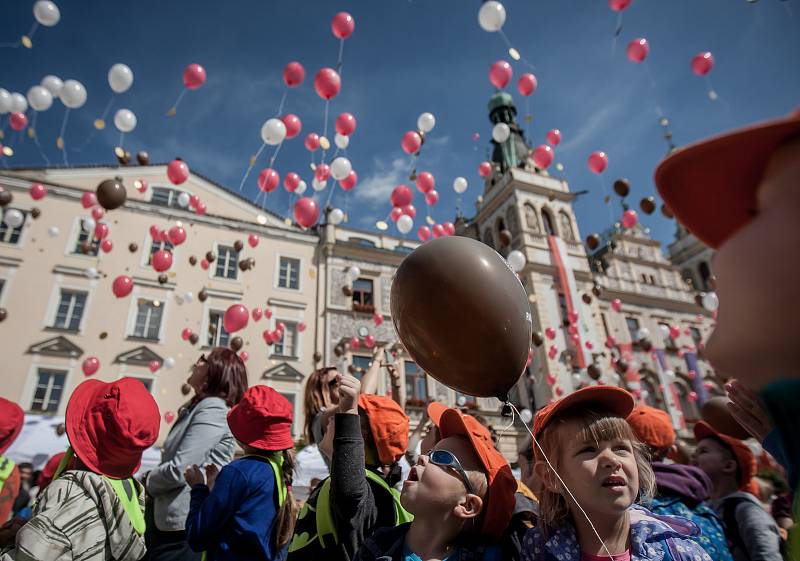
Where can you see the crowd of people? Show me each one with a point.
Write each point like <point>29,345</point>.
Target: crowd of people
<point>602,479</point>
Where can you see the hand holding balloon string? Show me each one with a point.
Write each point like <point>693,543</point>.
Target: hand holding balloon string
<point>748,410</point>
<point>349,390</point>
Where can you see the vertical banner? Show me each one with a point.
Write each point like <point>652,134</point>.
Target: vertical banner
<point>697,383</point>
<point>671,401</point>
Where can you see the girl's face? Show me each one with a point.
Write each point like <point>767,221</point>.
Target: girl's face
<point>329,383</point>
<point>199,376</point>
<point>603,475</point>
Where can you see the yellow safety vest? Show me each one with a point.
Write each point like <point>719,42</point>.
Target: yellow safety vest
<point>6,467</point>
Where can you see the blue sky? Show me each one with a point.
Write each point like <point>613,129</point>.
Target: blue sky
<point>407,57</point>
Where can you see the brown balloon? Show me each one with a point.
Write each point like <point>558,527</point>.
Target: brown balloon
<point>594,372</point>
<point>163,278</point>
<point>666,211</point>
<point>35,213</point>
<point>648,205</point>
<point>85,248</point>
<point>192,260</point>
<point>133,247</point>
<point>537,339</point>
<point>186,389</point>
<point>194,338</point>
<point>3,314</point>
<point>5,197</point>
<point>352,369</point>
<point>103,335</point>
<point>122,158</point>
<point>236,343</point>
<point>505,238</point>
<point>592,241</point>
<point>338,351</point>
<point>61,429</point>
<point>587,299</point>
<point>238,245</point>
<point>715,412</point>
<point>622,187</point>
<point>143,158</point>
<point>622,366</point>
<point>111,193</point>
<point>317,356</point>
<point>210,257</point>
<point>347,291</point>
<point>646,345</point>
<point>438,292</point>
<point>202,295</point>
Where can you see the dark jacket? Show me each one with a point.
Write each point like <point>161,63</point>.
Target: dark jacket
<point>386,544</point>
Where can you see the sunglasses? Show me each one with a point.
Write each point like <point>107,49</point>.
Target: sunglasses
<point>446,459</point>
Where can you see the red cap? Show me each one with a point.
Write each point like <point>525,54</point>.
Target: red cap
<point>12,417</point>
<point>652,426</point>
<point>388,424</point>
<point>606,398</point>
<point>49,470</point>
<point>499,500</point>
<point>110,424</point>
<point>711,185</point>
<point>262,419</point>
<point>744,456</point>
<point>436,410</point>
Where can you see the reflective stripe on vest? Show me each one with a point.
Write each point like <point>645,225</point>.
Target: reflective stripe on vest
<point>6,467</point>
<point>276,462</point>
<point>324,517</point>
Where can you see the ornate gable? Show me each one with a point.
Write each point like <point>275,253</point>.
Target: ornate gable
<point>58,346</point>
<point>283,372</point>
<point>140,356</point>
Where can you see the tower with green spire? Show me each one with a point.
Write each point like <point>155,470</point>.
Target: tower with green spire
<point>513,153</point>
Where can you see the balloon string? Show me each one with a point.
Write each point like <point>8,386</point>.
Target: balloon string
<point>280,105</point>
<point>174,108</point>
<point>250,166</point>
<point>339,62</point>
<point>325,127</point>
<point>510,46</point>
<point>330,193</point>
<point>345,205</point>
<point>617,31</point>
<point>36,139</point>
<point>94,129</point>
<point>275,154</point>
<point>108,107</point>
<point>33,29</point>
<point>121,138</point>
<point>555,472</point>
<point>606,199</point>
<point>61,136</point>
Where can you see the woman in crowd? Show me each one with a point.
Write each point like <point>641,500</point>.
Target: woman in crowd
<point>320,401</point>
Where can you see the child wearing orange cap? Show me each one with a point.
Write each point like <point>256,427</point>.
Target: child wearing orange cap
<point>94,511</point>
<point>752,533</point>
<point>365,439</point>
<point>594,472</point>
<point>246,511</point>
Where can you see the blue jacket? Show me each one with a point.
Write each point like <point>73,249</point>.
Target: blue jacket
<point>235,521</point>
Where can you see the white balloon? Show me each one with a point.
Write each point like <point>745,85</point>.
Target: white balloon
<point>120,78</point>
<point>53,84</point>
<point>301,188</point>
<point>18,103</point>
<point>92,273</point>
<point>501,132</point>
<point>125,120</point>
<point>340,168</point>
<point>404,224</point>
<point>317,184</point>
<point>189,297</point>
<point>169,363</point>
<point>576,380</point>
<point>669,374</point>
<point>526,416</point>
<point>183,200</point>
<point>461,401</point>
<point>88,224</point>
<point>642,334</point>
<point>426,122</point>
<point>46,13</point>
<point>40,98</point>
<point>273,132</point>
<point>460,185</point>
<point>53,231</point>
<point>73,94</point>
<point>516,260</point>
<point>711,301</point>
<point>353,272</point>
<point>13,218</point>
<point>491,16</point>
<point>5,101</point>
<point>341,141</point>
<point>336,216</point>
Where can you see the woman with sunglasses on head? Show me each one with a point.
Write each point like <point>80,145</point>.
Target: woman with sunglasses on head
<point>200,435</point>
<point>321,398</point>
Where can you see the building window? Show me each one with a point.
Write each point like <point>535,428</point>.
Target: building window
<point>468,401</point>
<point>633,328</point>
<point>531,219</point>
<point>49,388</point>
<point>86,237</point>
<point>70,310</point>
<point>416,385</point>
<point>217,336</point>
<point>12,235</point>
<point>362,296</point>
<point>512,220</point>
<point>148,319</point>
<point>288,345</point>
<point>705,275</point>
<point>696,335</point>
<point>360,365</point>
<point>158,246</point>
<point>163,196</point>
<point>669,342</point>
<point>146,382</point>
<point>227,262</point>
<point>690,409</point>
<point>547,219</point>
<point>289,273</point>
<point>566,227</point>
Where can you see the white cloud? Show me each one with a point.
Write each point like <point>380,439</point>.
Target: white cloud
<point>377,186</point>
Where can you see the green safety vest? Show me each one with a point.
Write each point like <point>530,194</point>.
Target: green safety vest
<point>6,467</point>
<point>326,529</point>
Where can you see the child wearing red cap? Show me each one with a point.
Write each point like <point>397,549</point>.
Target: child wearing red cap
<point>365,439</point>
<point>594,472</point>
<point>94,511</point>
<point>11,420</point>
<point>461,494</point>
<point>246,510</point>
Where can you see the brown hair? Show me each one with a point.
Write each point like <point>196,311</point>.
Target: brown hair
<point>227,376</point>
<point>315,397</point>
<point>554,507</point>
<point>287,513</point>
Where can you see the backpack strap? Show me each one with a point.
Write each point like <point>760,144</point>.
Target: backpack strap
<point>730,524</point>
<point>127,492</point>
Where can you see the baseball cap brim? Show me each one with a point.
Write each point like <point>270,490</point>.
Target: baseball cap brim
<point>609,399</point>
<point>710,186</point>
<point>744,457</point>
<point>435,411</point>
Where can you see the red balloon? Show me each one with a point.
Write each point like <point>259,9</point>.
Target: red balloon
<point>611,342</point>
<point>618,5</point>
<point>484,169</point>
<point>432,197</point>
<point>107,246</point>
<point>293,124</point>
<point>256,313</point>
<point>162,260</point>
<point>141,185</point>
<point>177,171</point>
<point>345,124</point>
<point>291,181</point>
<point>349,182</point>
<point>638,49</point>
<point>327,83</point>
<point>550,333</point>
<point>235,318</point>
<point>177,235</point>
<point>598,161</point>
<point>163,235</point>
<point>396,213</point>
<point>692,375</point>
<point>294,74</point>
<point>411,142</point>
<point>301,327</point>
<point>306,212</point>
<point>343,25</point>
<point>38,191</point>
<point>355,344</point>
<point>702,63</point>
<point>311,142</point>
<point>401,196</point>
<point>500,74</point>
<point>194,76</point>
<point>692,396</point>
<point>155,232</point>
<point>377,319</point>
<point>98,212</point>
<point>18,121</point>
<point>425,181</point>
<point>322,172</point>
<point>201,208</point>
<point>169,416</point>
<point>629,219</point>
<point>369,341</point>
<point>268,180</point>
<point>616,305</point>
<point>409,210</point>
<point>100,230</point>
<point>194,200</point>
<point>543,156</point>
<point>122,286</point>
<point>90,365</point>
<point>674,331</point>
<point>438,231</point>
<point>204,264</point>
<point>154,366</point>
<point>554,137</point>
<point>88,199</point>
<point>526,84</point>
<point>449,228</point>
<point>186,333</point>
<point>424,233</point>
<point>244,355</point>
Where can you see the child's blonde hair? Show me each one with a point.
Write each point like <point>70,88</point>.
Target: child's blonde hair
<point>554,509</point>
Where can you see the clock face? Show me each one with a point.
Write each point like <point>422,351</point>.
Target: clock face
<point>363,331</point>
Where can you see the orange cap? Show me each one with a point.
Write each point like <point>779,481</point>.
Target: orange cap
<point>388,424</point>
<point>744,456</point>
<point>499,500</point>
<point>652,426</point>
<point>711,185</point>
<point>436,410</point>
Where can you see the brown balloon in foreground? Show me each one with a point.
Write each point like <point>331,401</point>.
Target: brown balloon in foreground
<point>133,247</point>
<point>715,412</point>
<point>592,241</point>
<point>439,292</point>
<point>192,260</point>
<point>111,194</point>
<point>505,238</point>
<point>143,158</point>
<point>186,389</point>
<point>622,187</point>
<point>237,343</point>
<point>5,197</point>
<point>537,339</point>
<point>210,257</point>
<point>594,372</point>
<point>587,299</point>
<point>202,295</point>
<point>194,338</point>
<point>666,211</point>
<point>3,314</point>
<point>238,245</point>
<point>648,205</point>
<point>35,213</point>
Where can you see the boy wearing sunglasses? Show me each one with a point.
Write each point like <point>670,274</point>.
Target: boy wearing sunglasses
<point>461,494</point>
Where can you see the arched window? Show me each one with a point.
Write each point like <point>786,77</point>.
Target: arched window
<point>487,237</point>
<point>512,221</point>
<point>531,219</point>
<point>566,227</point>
<point>547,220</point>
<point>705,274</point>
<point>688,277</point>
<point>690,410</point>
<point>649,383</point>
